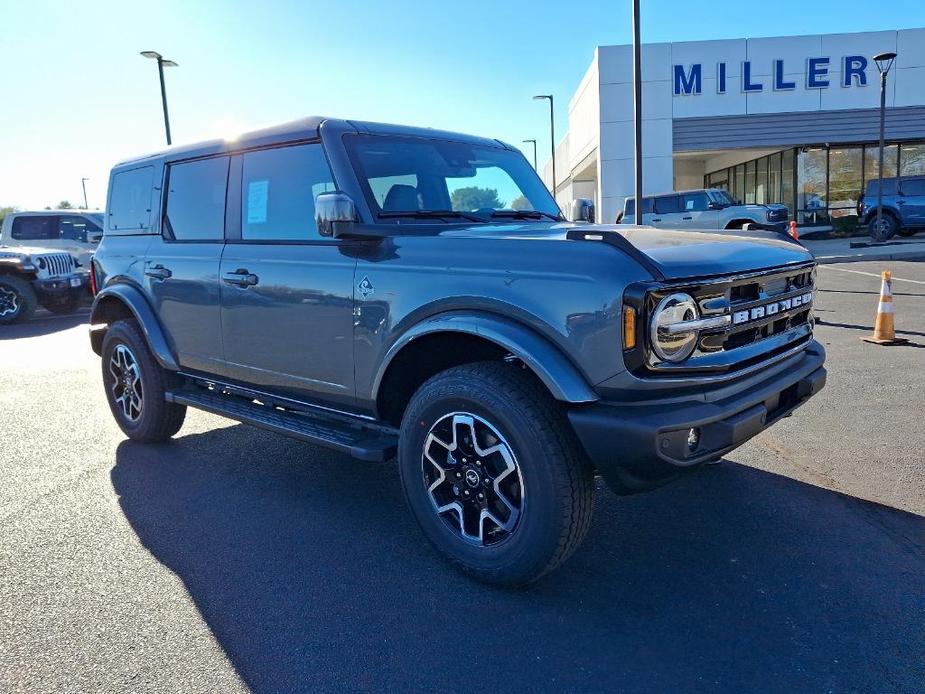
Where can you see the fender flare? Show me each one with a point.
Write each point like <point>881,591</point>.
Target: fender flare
<point>546,360</point>
<point>134,300</point>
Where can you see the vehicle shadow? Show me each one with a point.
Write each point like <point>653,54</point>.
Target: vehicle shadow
<point>44,323</point>
<point>313,577</point>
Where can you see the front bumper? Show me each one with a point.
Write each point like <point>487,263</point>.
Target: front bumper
<point>63,285</point>
<point>636,447</point>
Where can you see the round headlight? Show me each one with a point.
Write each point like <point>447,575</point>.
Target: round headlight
<point>42,263</point>
<point>669,340</point>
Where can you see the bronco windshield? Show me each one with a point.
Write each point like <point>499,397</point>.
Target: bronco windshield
<point>441,180</point>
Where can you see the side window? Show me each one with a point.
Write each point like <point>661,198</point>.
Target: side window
<point>913,186</point>
<point>75,228</point>
<point>666,204</point>
<point>130,199</point>
<point>889,186</point>
<point>695,202</point>
<point>646,206</point>
<point>196,200</point>
<point>34,227</point>
<point>278,190</point>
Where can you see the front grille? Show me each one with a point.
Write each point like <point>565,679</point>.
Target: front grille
<point>55,264</point>
<point>769,314</point>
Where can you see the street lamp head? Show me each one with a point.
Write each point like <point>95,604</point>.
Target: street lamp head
<point>168,63</point>
<point>884,62</point>
<point>151,54</point>
<point>525,141</point>
<point>543,96</point>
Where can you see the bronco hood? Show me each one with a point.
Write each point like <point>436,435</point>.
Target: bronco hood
<point>680,254</point>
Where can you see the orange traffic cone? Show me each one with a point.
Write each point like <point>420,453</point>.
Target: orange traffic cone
<point>884,330</point>
<point>793,231</point>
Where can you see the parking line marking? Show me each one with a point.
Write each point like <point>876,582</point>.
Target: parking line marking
<point>869,274</point>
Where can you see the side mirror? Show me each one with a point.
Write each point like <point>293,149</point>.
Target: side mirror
<point>714,206</point>
<point>583,210</point>
<point>335,213</point>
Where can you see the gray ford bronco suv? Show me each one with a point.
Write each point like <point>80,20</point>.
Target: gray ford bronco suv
<point>396,292</point>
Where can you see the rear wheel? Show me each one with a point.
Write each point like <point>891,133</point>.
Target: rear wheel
<point>885,228</point>
<point>493,473</point>
<point>17,299</point>
<point>135,386</point>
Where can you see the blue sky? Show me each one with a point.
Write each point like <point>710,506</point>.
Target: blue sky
<point>77,97</point>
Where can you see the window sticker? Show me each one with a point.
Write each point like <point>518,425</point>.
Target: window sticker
<point>257,194</point>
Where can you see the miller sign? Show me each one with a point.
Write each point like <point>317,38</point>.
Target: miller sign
<point>688,79</point>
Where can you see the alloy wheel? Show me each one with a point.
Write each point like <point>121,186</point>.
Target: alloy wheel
<point>473,479</point>
<point>126,382</point>
<point>9,302</point>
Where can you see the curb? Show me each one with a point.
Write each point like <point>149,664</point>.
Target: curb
<point>829,259</point>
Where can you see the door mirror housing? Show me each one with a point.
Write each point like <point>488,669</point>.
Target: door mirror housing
<point>583,210</point>
<point>715,205</point>
<point>335,213</point>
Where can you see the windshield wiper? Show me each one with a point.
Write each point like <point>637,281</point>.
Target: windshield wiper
<point>431,214</point>
<point>526,214</point>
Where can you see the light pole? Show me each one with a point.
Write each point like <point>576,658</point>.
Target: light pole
<point>637,116</point>
<point>552,138</point>
<point>161,64</point>
<point>884,62</point>
<point>83,184</point>
<point>534,152</point>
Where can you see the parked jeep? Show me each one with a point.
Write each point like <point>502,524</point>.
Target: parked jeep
<point>903,207</point>
<point>33,276</point>
<point>709,208</point>
<point>72,231</point>
<point>369,288</point>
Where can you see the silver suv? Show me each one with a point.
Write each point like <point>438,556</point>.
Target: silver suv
<point>706,208</point>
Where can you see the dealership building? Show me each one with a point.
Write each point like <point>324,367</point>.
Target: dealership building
<point>791,119</point>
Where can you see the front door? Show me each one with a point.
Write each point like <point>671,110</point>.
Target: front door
<point>287,292</point>
<point>181,267</point>
<point>696,212</point>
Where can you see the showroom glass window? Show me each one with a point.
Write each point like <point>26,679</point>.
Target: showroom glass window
<point>845,180</point>
<point>912,159</point>
<point>786,180</point>
<point>811,179</point>
<point>748,192</point>
<point>774,192</point>
<point>196,200</point>
<point>738,190</point>
<point>872,161</point>
<point>761,181</point>
<point>278,191</point>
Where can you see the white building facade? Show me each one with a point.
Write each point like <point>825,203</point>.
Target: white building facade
<point>790,119</point>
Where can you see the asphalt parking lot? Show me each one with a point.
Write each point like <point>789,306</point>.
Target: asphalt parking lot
<point>231,559</point>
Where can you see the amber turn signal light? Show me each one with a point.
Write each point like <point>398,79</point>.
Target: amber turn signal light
<point>629,327</point>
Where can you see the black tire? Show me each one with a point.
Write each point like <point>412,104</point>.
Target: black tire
<point>66,304</point>
<point>889,225</point>
<point>17,299</point>
<point>557,479</point>
<point>154,419</point>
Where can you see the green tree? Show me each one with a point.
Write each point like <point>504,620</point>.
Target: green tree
<point>475,198</point>
<point>64,205</point>
<point>4,211</point>
<point>521,203</point>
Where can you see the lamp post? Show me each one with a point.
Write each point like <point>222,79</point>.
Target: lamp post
<point>552,138</point>
<point>884,62</point>
<point>161,64</point>
<point>637,116</point>
<point>534,152</point>
<point>83,184</point>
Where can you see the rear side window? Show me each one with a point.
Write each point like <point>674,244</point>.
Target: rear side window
<point>667,204</point>
<point>889,186</point>
<point>278,190</point>
<point>631,206</point>
<point>130,199</point>
<point>913,186</point>
<point>695,202</point>
<point>34,227</point>
<point>196,200</point>
<point>74,228</point>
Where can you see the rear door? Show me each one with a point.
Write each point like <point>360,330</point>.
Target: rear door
<point>667,212</point>
<point>287,292</point>
<point>181,267</point>
<point>696,212</point>
<point>912,201</point>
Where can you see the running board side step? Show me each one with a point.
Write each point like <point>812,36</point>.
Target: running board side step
<point>363,443</point>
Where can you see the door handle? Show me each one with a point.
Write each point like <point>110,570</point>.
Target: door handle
<point>656,219</point>
<point>158,272</point>
<point>686,217</point>
<point>240,278</point>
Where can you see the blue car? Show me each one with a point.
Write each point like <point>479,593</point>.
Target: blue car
<point>903,207</point>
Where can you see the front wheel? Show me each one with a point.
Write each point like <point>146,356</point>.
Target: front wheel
<point>135,386</point>
<point>884,229</point>
<point>493,473</point>
<point>17,299</point>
